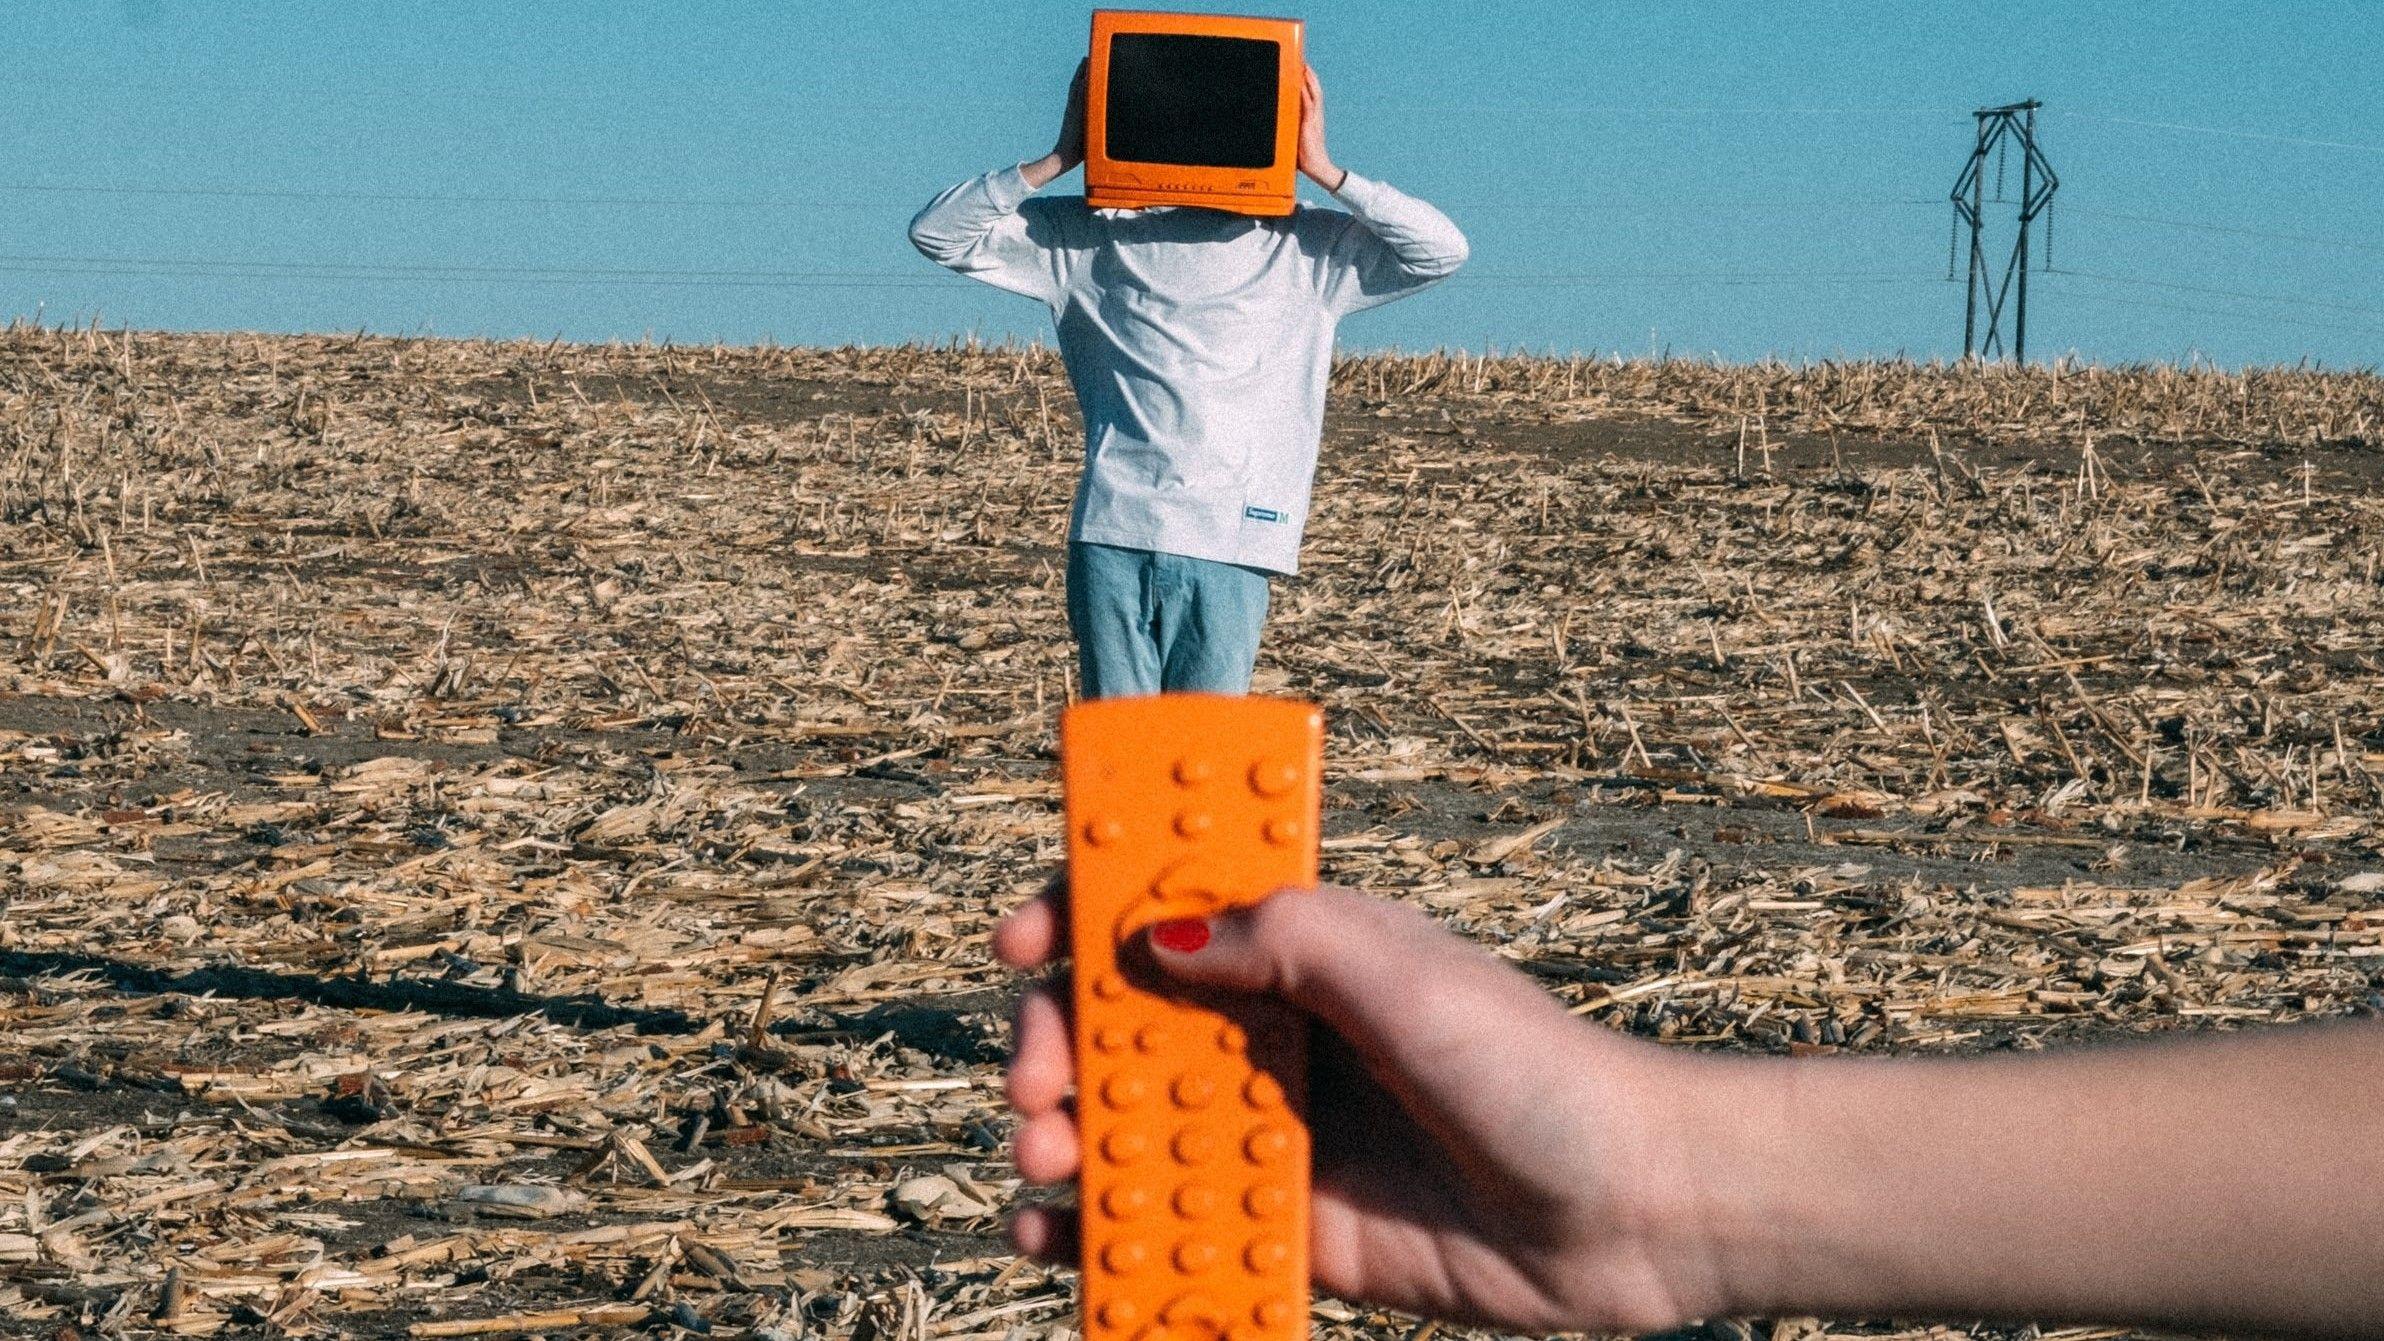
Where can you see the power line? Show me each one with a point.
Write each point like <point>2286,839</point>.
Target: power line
<point>464,270</point>
<point>201,267</point>
<point>1644,109</point>
<point>2309,239</point>
<point>2231,134</point>
<point>1495,279</point>
<point>361,277</point>
<point>1462,204</point>
<point>175,268</point>
<point>2292,300</point>
<point>695,202</point>
<point>2235,313</point>
<point>282,269</point>
<point>204,267</point>
<point>425,197</point>
<point>132,267</point>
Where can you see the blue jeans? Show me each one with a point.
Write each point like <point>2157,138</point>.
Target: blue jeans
<point>1147,623</point>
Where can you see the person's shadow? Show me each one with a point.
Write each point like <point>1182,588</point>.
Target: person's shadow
<point>394,994</point>
<point>935,1029</point>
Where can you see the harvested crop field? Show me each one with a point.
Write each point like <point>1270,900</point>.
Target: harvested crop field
<point>501,837</point>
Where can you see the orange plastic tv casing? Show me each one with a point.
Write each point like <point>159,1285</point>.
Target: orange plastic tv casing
<point>1117,184</point>
<point>1192,1106</point>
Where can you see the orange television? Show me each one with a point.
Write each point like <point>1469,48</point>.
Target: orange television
<point>1192,109</point>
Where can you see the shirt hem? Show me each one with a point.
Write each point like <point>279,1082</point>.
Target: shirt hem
<point>1164,544</point>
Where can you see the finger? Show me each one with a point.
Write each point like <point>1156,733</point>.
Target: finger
<point>1355,963</point>
<point>1028,938</point>
<point>1040,1064</point>
<point>1047,1234</point>
<point>1046,1148</point>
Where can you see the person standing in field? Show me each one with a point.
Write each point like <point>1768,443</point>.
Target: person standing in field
<point>1198,343</point>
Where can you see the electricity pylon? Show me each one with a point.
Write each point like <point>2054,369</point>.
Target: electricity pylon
<point>1998,128</point>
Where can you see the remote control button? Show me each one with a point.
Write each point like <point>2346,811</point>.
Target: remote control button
<point>1195,1145</point>
<point>1194,1090</point>
<point>1125,1091</point>
<point>1195,1201</point>
<point>1273,777</point>
<point>1267,1144</point>
<point>1125,1201</point>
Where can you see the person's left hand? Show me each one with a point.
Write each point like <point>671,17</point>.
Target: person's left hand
<point>1069,149</point>
<point>1314,160</point>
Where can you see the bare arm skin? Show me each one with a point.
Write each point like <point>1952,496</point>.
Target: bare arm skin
<point>2228,1182</point>
<point>1483,1156</point>
<point>1315,160</point>
<point>1068,150</point>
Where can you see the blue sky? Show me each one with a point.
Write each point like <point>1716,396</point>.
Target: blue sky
<point>1740,179</point>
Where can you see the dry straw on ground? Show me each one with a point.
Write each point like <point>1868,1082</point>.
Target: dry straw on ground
<point>500,838</point>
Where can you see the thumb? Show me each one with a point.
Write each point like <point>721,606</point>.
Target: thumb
<point>1430,1013</point>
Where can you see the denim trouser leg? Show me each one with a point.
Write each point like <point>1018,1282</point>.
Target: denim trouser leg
<point>1109,611</point>
<point>1147,623</point>
<point>1210,615</point>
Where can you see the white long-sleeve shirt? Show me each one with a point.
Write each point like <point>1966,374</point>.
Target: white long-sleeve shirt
<point>1198,342</point>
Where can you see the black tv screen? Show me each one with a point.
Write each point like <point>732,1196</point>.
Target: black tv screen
<point>1205,102</point>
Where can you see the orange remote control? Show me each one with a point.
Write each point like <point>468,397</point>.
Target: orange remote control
<point>1192,1108</point>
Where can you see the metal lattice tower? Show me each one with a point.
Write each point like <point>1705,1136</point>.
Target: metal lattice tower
<point>1998,129</point>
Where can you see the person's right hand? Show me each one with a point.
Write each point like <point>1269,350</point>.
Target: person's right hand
<point>1480,1155</point>
<point>1314,158</point>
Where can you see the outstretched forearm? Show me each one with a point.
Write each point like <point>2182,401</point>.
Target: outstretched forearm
<point>2209,1183</point>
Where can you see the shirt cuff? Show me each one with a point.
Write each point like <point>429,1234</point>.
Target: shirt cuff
<point>1008,187</point>
<point>1361,194</point>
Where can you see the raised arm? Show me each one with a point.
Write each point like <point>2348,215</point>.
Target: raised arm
<point>984,227</point>
<point>1389,245</point>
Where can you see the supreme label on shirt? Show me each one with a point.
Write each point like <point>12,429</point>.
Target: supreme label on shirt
<point>1256,513</point>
